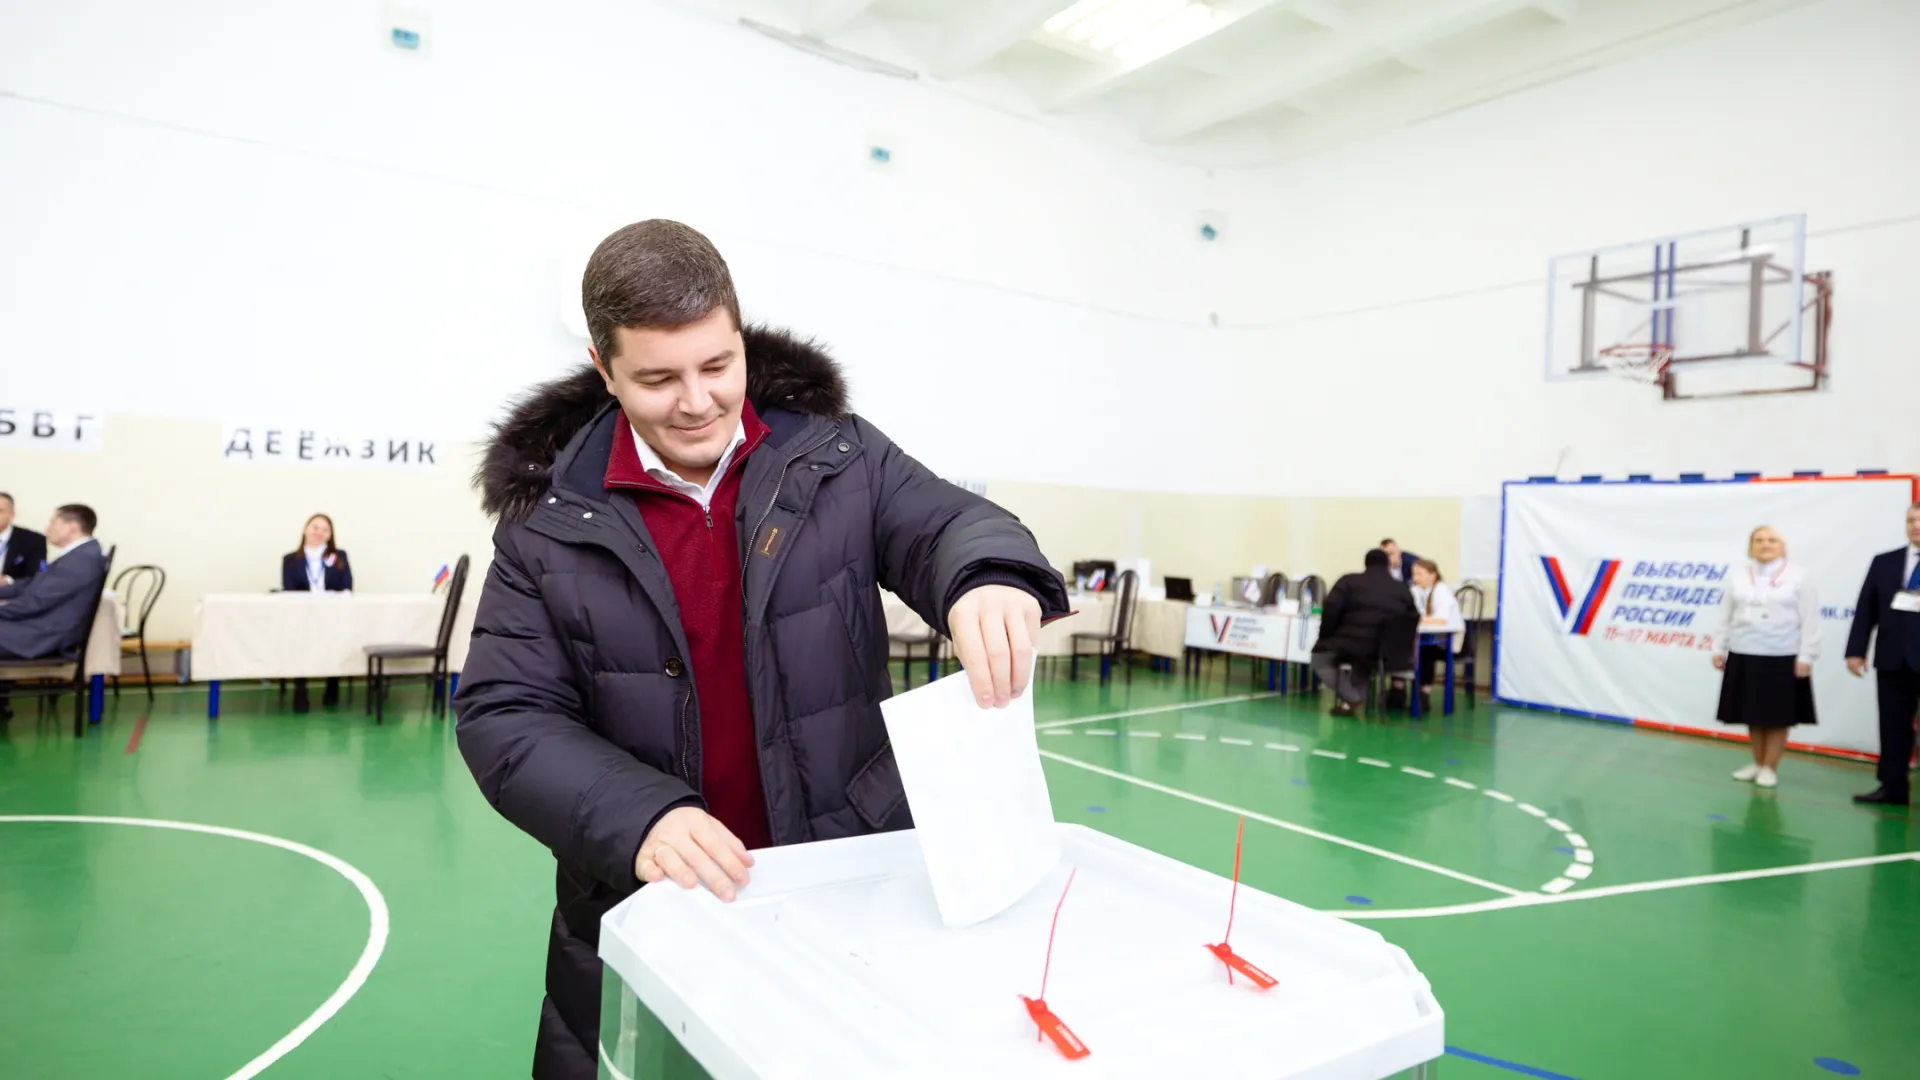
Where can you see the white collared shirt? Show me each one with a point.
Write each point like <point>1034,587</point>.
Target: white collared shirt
<point>701,493</point>
<point>6,537</point>
<point>1770,609</point>
<point>1446,607</point>
<point>316,569</point>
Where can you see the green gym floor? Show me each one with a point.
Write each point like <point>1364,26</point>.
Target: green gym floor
<point>131,950</point>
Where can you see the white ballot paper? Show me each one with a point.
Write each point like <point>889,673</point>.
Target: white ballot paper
<point>979,799</point>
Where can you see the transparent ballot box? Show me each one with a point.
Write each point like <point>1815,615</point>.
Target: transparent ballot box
<point>834,964</point>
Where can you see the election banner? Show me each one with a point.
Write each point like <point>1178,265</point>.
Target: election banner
<point>1610,593</point>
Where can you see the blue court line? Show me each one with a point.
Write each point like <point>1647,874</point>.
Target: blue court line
<point>1510,1066</point>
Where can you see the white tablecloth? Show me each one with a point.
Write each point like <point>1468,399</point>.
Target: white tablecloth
<point>1267,634</point>
<point>308,635</point>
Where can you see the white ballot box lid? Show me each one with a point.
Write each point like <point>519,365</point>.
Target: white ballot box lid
<point>834,963</point>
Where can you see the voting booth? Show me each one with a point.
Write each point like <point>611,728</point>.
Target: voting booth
<point>835,963</point>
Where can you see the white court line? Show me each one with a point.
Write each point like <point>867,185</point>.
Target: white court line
<point>1633,888</point>
<point>1459,783</point>
<point>1277,823</point>
<point>1335,754</point>
<point>1375,762</point>
<point>1189,736</point>
<point>1056,733</point>
<point>1416,772</point>
<point>1100,731</point>
<point>1130,734</point>
<point>1283,746</point>
<point>1576,839</point>
<point>1501,795</point>
<point>1557,885</point>
<point>1156,709</point>
<point>1583,855</point>
<point>1578,871</point>
<point>1532,809</point>
<point>1558,826</point>
<point>377,919</point>
<point>1236,742</point>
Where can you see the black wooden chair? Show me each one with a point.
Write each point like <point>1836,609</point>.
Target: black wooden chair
<point>72,651</point>
<point>1396,652</point>
<point>378,678</point>
<point>929,639</point>
<point>1473,610</point>
<point>1273,590</point>
<point>138,588</point>
<point>1117,640</point>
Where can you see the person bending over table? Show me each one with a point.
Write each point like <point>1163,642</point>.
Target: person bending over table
<point>1769,638</point>
<point>1358,612</point>
<point>1439,611</point>
<point>320,565</point>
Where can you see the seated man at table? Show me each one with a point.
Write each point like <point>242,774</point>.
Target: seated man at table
<point>47,613</point>
<point>23,552</point>
<point>1356,619</point>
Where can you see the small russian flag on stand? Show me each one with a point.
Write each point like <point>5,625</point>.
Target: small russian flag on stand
<point>440,578</point>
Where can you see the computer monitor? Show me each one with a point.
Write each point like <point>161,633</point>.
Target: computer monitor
<point>1180,588</point>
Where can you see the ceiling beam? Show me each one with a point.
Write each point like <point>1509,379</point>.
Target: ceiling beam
<point>1495,69</point>
<point>1114,75</point>
<point>1326,60</point>
<point>1003,25</point>
<point>825,18</point>
<point>1321,13</point>
<point>1559,10</point>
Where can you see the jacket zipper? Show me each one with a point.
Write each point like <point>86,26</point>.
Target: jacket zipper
<point>746,648</point>
<point>754,537</point>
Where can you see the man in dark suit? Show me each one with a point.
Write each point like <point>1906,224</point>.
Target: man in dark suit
<point>47,613</point>
<point>1361,622</point>
<point>1890,602</point>
<point>23,552</point>
<point>1399,563</point>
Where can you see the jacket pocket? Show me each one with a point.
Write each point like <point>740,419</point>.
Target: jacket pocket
<point>849,603</point>
<point>876,792</point>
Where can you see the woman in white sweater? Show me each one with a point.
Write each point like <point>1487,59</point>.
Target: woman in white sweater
<point>1769,638</point>
<point>1439,610</point>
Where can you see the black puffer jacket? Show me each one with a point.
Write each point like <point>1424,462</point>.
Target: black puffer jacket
<point>576,713</point>
<point>1370,616</point>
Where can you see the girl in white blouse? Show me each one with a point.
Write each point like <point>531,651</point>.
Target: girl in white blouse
<point>1439,610</point>
<point>1769,637</point>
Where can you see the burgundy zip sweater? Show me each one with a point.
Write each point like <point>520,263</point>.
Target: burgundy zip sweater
<point>701,552</point>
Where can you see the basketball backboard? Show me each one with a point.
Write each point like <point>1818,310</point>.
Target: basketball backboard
<point>1721,311</point>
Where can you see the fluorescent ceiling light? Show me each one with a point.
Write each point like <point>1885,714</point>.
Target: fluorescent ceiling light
<point>1132,31</point>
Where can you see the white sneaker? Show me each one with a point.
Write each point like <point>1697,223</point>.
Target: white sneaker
<point>1766,778</point>
<point>1746,772</point>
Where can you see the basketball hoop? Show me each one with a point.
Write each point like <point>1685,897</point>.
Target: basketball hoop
<point>1642,361</point>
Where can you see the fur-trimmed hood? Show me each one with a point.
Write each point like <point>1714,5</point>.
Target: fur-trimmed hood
<point>783,372</point>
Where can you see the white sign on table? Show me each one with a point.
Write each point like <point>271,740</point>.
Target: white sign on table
<point>1270,635</point>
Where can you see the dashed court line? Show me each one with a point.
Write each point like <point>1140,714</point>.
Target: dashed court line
<point>1576,871</point>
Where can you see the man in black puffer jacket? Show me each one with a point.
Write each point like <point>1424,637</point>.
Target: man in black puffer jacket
<point>680,653</point>
<point>1367,618</point>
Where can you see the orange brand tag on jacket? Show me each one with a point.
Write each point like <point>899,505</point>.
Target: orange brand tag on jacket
<point>1056,1029</point>
<point>773,542</point>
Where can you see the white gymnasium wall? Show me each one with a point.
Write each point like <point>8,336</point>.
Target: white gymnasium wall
<point>215,207</point>
<point>1400,280</point>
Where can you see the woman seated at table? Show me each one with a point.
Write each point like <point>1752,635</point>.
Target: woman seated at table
<point>319,566</point>
<point>1439,611</point>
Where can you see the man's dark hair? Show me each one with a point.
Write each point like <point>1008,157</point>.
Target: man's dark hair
<point>653,274</point>
<point>1387,541</point>
<point>82,516</point>
<point>9,498</point>
<point>1376,557</point>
